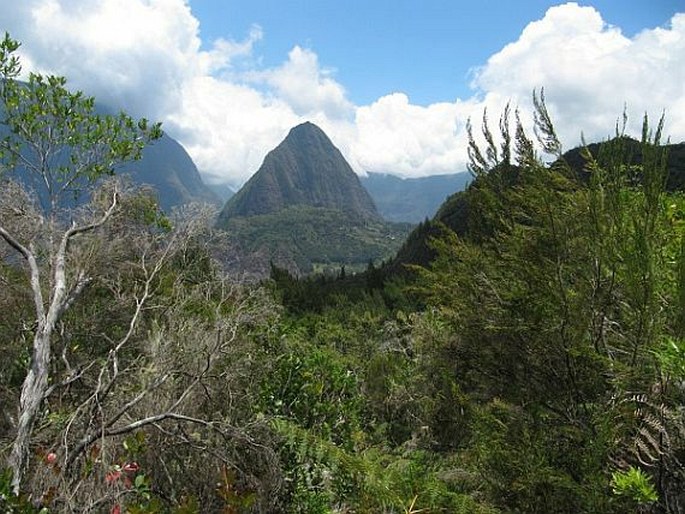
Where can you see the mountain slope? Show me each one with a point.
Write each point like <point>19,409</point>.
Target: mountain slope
<point>305,169</point>
<point>168,168</point>
<point>305,210</point>
<point>305,239</point>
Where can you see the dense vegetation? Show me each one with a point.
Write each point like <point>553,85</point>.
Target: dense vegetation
<point>304,239</point>
<point>535,364</point>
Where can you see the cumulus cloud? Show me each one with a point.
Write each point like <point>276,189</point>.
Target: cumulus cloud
<point>591,71</point>
<point>229,111</point>
<point>395,136</point>
<point>306,86</point>
<point>228,128</point>
<point>129,53</point>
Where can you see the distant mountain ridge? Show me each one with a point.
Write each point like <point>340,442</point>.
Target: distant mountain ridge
<point>167,167</point>
<point>412,200</point>
<point>306,169</point>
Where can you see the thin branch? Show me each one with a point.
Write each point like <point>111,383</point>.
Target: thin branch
<point>30,258</point>
<point>156,419</point>
<point>72,378</point>
<point>14,243</point>
<point>132,403</point>
<point>74,230</point>
<point>75,292</point>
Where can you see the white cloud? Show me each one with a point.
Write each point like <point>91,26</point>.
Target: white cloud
<point>306,87</point>
<point>395,136</point>
<point>228,111</point>
<point>591,70</point>
<point>228,128</point>
<point>224,51</point>
<point>127,52</point>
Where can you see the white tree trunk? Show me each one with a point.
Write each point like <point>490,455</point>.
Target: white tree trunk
<point>36,381</point>
<point>35,386</point>
<point>32,394</point>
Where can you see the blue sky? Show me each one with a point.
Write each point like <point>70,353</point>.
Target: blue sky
<point>393,83</point>
<point>425,48</point>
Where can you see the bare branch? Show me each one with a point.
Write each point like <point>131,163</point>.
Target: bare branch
<point>73,377</point>
<point>75,292</point>
<point>74,230</point>
<point>34,271</point>
<point>14,243</point>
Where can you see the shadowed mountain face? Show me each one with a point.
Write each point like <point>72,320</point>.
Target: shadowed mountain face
<point>306,169</point>
<point>164,165</point>
<point>168,168</point>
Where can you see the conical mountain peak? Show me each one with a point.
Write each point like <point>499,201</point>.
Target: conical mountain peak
<point>305,169</point>
<point>307,128</point>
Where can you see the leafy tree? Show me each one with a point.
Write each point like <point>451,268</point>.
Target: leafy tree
<point>559,294</point>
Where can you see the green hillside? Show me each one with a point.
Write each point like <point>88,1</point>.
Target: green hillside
<point>305,239</point>
<point>457,212</point>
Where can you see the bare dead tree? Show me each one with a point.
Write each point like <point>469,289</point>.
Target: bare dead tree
<point>165,369</point>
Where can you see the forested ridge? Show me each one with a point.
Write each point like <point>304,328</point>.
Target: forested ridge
<point>532,361</point>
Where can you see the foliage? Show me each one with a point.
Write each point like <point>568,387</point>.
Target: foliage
<point>634,484</point>
<point>560,293</point>
<point>314,388</point>
<point>301,237</point>
<point>10,503</point>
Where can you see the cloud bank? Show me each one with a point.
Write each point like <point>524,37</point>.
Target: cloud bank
<point>228,111</point>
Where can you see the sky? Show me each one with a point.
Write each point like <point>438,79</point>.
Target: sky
<point>392,82</point>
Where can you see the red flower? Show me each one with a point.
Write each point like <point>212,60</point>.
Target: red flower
<point>112,476</point>
<point>51,458</point>
<point>131,467</point>
<point>116,509</point>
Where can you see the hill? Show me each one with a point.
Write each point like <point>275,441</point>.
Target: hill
<point>305,239</point>
<point>454,212</point>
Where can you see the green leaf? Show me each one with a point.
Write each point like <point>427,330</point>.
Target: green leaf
<point>634,484</point>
